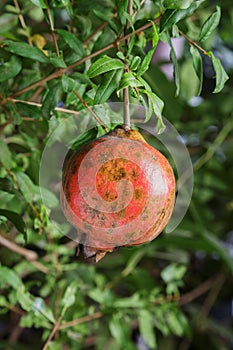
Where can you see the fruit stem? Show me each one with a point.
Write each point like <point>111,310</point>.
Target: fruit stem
<point>127,123</point>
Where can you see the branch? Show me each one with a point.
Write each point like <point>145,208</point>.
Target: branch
<point>21,19</point>
<point>95,116</point>
<point>30,255</point>
<point>127,123</point>
<point>80,320</point>
<point>191,42</point>
<point>52,29</point>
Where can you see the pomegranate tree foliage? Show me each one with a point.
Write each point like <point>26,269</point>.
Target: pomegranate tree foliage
<point>61,55</point>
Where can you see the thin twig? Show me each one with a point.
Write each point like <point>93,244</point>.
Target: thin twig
<point>80,320</point>
<point>22,21</point>
<point>54,330</point>
<point>194,43</point>
<point>127,123</point>
<point>96,117</point>
<point>30,255</point>
<point>58,73</point>
<point>39,105</point>
<point>52,29</point>
<point>200,290</point>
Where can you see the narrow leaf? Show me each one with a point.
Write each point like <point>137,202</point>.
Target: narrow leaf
<point>69,296</point>
<point>51,99</point>
<point>122,9</point>
<point>14,218</point>
<point>25,50</point>
<point>5,155</point>
<point>39,3</point>
<point>177,4</point>
<point>157,105</point>
<point>210,25</point>
<point>171,17</point>
<point>146,328</point>
<point>10,69</point>
<point>128,79</point>
<point>175,65</point>
<point>27,187</point>
<point>71,40</point>
<point>109,84</point>
<point>197,64</point>
<point>9,276</point>
<point>221,75</point>
<point>103,65</point>
<point>146,62</point>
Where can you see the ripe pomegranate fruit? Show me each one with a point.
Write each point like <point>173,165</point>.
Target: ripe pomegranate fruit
<point>117,190</point>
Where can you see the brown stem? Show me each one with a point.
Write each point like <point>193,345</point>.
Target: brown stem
<point>21,19</point>
<point>127,123</point>
<point>191,42</point>
<point>52,29</point>
<point>54,330</point>
<point>39,105</point>
<point>60,71</point>
<point>28,254</point>
<point>80,320</point>
<point>96,117</point>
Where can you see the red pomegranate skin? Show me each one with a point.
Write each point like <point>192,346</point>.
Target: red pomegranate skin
<point>117,190</point>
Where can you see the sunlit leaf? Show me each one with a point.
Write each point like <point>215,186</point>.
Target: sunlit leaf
<point>103,65</point>
<point>210,25</point>
<point>221,75</point>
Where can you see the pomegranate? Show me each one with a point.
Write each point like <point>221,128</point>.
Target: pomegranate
<point>117,190</point>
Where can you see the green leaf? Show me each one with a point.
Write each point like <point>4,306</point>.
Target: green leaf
<point>71,40</point>
<point>5,155</point>
<point>6,197</point>
<point>39,3</point>
<point>173,272</point>
<point>27,187</point>
<point>25,50</point>
<point>10,69</point>
<point>49,198</point>
<point>197,64</point>
<point>177,4</point>
<point>39,307</point>
<point>122,6</point>
<point>175,65</point>
<point>129,79</point>
<point>147,329</point>
<point>103,65</point>
<point>146,62</point>
<point>147,59</point>
<point>51,99</point>
<point>24,298</point>
<point>69,296</point>
<point>157,106</point>
<point>171,17</point>
<point>109,84</point>
<point>56,61</point>
<point>9,276</point>
<point>221,75</point>
<point>210,25</point>
<point>136,60</point>
<point>7,22</point>
<point>155,38</point>
<point>174,324</point>
<point>14,218</point>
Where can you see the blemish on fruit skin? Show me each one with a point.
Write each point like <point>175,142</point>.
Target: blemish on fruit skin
<point>134,224</point>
